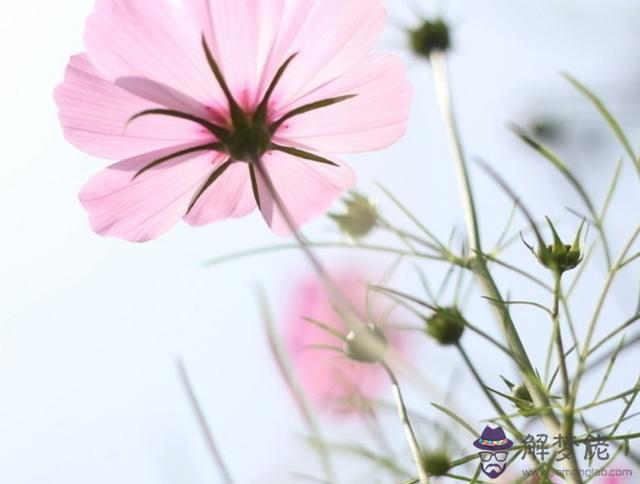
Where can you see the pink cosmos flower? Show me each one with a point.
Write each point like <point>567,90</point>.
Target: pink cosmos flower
<point>332,381</point>
<point>202,103</point>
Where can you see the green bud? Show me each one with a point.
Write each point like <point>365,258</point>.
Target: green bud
<point>436,463</point>
<point>360,217</point>
<point>431,36</point>
<point>560,257</point>
<point>524,402</point>
<point>446,325</point>
<point>366,344</point>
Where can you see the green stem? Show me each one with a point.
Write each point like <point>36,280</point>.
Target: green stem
<point>480,267</point>
<point>568,417</point>
<point>408,428</point>
<point>443,93</point>
<point>586,349</point>
<point>496,405</point>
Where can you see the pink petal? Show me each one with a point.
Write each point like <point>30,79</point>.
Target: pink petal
<point>142,209</point>
<point>94,114</point>
<point>333,382</point>
<point>251,39</point>
<point>230,196</point>
<point>307,188</point>
<point>330,37</point>
<point>155,41</point>
<point>372,120</point>
<point>240,34</point>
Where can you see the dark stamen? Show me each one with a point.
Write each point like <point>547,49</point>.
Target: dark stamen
<point>261,112</point>
<point>254,183</point>
<point>177,154</point>
<point>236,113</point>
<point>302,154</point>
<point>218,131</point>
<point>210,181</point>
<point>309,107</point>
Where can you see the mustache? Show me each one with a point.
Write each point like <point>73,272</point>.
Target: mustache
<point>496,466</point>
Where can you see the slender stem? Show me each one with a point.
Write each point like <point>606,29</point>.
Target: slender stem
<point>295,389</point>
<point>586,349</point>
<point>568,417</point>
<point>345,307</point>
<point>480,267</point>
<point>408,428</point>
<point>555,318</point>
<point>443,93</point>
<point>496,405</point>
<point>197,410</point>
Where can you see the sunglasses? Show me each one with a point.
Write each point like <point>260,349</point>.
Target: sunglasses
<point>500,456</point>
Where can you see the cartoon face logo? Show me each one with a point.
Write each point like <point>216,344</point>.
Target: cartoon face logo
<point>494,446</point>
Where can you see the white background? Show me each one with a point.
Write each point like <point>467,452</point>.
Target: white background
<point>90,327</point>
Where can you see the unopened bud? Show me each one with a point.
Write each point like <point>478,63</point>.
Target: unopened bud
<point>359,218</point>
<point>430,36</point>
<point>522,399</point>
<point>446,325</point>
<point>560,257</point>
<point>436,463</point>
<point>366,344</point>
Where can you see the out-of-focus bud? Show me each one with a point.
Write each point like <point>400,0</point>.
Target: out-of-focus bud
<point>446,325</point>
<point>359,218</point>
<point>560,257</point>
<point>436,463</point>
<point>522,399</point>
<point>366,344</point>
<point>430,36</point>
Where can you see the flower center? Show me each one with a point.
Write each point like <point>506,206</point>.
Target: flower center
<point>249,135</point>
<point>248,140</point>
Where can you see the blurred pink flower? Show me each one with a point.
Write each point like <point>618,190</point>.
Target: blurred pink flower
<point>332,381</point>
<point>191,98</point>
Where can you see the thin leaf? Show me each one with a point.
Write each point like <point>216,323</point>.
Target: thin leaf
<point>557,162</point>
<point>404,209</point>
<point>607,372</point>
<point>608,117</point>
<point>457,418</point>
<point>325,327</point>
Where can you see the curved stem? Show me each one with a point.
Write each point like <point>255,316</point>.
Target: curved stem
<point>408,428</point>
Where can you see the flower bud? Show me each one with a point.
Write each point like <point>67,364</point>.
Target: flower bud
<point>430,36</point>
<point>360,217</point>
<point>522,399</point>
<point>366,344</point>
<point>560,257</point>
<point>436,463</point>
<point>446,325</point>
